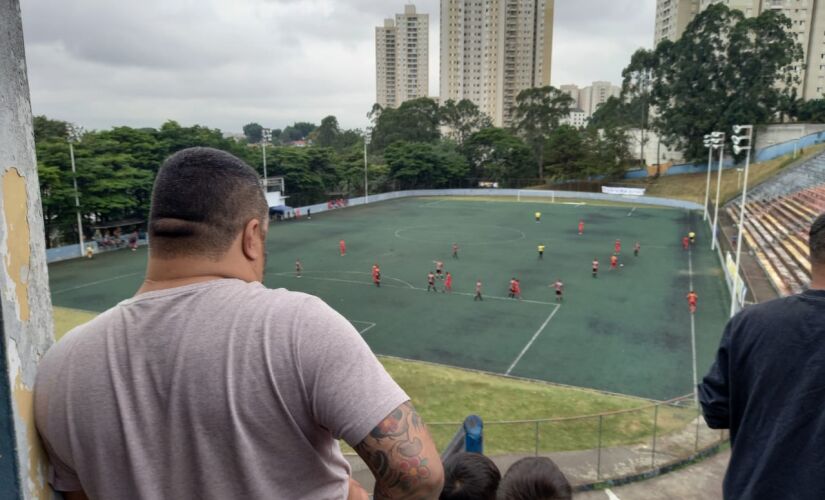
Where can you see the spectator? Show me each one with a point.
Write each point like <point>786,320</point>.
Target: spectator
<point>534,478</point>
<point>208,385</point>
<point>768,386</point>
<point>470,476</point>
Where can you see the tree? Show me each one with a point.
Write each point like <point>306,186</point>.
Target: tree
<point>425,165</point>
<point>725,69</point>
<point>416,120</point>
<point>326,135</point>
<point>495,154</point>
<point>462,119</point>
<point>812,111</point>
<point>537,113</point>
<point>253,133</point>
<point>46,129</point>
<point>565,152</point>
<point>298,131</point>
<point>637,85</point>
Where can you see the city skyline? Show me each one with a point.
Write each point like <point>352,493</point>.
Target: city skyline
<point>269,61</point>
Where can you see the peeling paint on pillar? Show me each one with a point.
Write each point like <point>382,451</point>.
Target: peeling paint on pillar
<point>26,330</point>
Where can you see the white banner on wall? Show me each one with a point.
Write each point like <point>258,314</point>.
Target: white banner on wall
<point>624,191</point>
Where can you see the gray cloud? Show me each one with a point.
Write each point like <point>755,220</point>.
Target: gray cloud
<point>223,63</point>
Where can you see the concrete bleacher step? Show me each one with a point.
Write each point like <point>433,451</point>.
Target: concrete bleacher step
<point>790,243</point>
<point>791,219</point>
<point>767,262</point>
<point>791,271</point>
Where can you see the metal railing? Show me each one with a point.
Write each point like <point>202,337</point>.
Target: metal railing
<point>602,447</point>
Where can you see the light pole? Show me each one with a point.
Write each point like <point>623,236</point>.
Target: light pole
<point>741,143</point>
<point>718,139</point>
<point>708,144</point>
<point>367,140</point>
<point>75,134</point>
<point>266,136</point>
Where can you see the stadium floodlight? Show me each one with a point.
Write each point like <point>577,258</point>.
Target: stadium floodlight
<point>718,139</point>
<point>75,134</point>
<point>367,141</point>
<point>717,135</point>
<point>741,143</point>
<point>266,136</point>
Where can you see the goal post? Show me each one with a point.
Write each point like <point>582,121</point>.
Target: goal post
<point>521,195</point>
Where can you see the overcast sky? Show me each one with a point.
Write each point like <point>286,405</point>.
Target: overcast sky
<point>224,63</point>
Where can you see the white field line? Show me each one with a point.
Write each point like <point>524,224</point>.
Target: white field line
<point>532,340</point>
<point>410,287</point>
<point>611,495</point>
<point>693,331</point>
<point>370,326</point>
<point>632,211</point>
<point>93,283</point>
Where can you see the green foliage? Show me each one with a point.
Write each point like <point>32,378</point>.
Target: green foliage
<point>726,69</point>
<point>416,120</point>
<point>538,111</point>
<point>420,165</point>
<point>253,133</point>
<point>46,129</point>
<point>462,119</point>
<point>495,154</point>
<point>298,131</point>
<point>812,111</point>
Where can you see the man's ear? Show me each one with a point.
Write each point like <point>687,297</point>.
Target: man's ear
<point>252,241</point>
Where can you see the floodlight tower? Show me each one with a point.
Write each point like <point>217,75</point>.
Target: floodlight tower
<point>266,136</point>
<point>710,145</point>
<point>717,140</point>
<point>367,140</point>
<point>75,135</point>
<point>742,141</point>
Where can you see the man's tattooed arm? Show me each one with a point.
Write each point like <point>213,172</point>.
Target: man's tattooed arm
<point>402,457</point>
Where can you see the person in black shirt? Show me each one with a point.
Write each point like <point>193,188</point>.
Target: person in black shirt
<point>768,387</point>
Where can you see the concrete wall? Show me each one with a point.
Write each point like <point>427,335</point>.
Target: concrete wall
<point>26,323</point>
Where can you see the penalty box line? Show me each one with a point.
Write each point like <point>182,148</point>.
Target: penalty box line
<point>533,339</point>
<point>370,325</point>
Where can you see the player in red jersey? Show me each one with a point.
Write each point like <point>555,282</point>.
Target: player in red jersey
<point>693,300</point>
<point>517,289</point>
<point>595,268</point>
<point>512,292</point>
<point>559,286</point>
<point>376,275</point>
<point>614,262</point>
<point>342,246</point>
<point>686,243</point>
<point>478,292</point>
<point>448,283</point>
<point>618,247</point>
<point>431,282</point>
<point>581,227</point>
<point>636,249</point>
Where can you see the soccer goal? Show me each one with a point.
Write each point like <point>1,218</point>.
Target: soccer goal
<point>522,195</point>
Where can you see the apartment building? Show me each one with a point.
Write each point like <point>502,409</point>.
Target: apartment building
<point>588,99</point>
<point>808,27</point>
<point>491,50</point>
<point>402,58</point>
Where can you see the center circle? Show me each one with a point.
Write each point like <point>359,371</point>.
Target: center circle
<point>466,234</point>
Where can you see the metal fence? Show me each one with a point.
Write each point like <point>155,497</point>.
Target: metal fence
<point>603,447</point>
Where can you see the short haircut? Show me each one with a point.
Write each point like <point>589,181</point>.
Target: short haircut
<point>817,241</point>
<point>470,476</point>
<point>534,478</point>
<point>201,202</point>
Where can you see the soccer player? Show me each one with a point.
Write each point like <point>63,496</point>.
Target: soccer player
<point>636,249</point>
<point>541,252</point>
<point>581,227</point>
<point>693,300</point>
<point>538,217</point>
<point>448,283</point>
<point>342,246</point>
<point>439,269</point>
<point>376,275</point>
<point>614,262</point>
<point>455,250</point>
<point>595,268</point>
<point>431,282</point>
<point>133,241</point>
<point>478,292</point>
<point>692,237</point>
<point>298,268</point>
<point>512,293</point>
<point>618,247</point>
<point>686,243</point>
<point>517,289</point>
<point>559,286</point>
<point>90,252</point>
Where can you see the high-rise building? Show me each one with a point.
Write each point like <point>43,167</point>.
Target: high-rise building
<point>491,50</point>
<point>402,58</point>
<point>588,99</point>
<point>807,26</point>
<point>672,17</point>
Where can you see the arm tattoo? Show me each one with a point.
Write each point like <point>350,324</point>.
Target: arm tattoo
<point>393,453</point>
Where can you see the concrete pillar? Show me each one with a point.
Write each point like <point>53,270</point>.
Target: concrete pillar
<point>26,328</point>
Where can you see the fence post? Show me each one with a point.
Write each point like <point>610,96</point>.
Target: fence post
<point>599,458</point>
<point>655,424</point>
<point>537,438</point>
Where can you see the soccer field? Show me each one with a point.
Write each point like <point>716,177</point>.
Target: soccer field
<point>629,331</point>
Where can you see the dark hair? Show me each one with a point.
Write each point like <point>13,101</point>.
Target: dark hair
<point>470,476</point>
<point>534,478</point>
<point>817,241</point>
<point>201,201</point>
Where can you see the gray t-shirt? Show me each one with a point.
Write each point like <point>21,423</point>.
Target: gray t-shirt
<point>222,390</point>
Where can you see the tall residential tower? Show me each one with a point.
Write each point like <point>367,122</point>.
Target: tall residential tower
<point>493,49</point>
<point>402,58</point>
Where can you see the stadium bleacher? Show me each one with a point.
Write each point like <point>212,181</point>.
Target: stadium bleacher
<point>778,215</point>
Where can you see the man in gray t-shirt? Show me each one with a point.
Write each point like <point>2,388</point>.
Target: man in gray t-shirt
<point>207,385</point>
